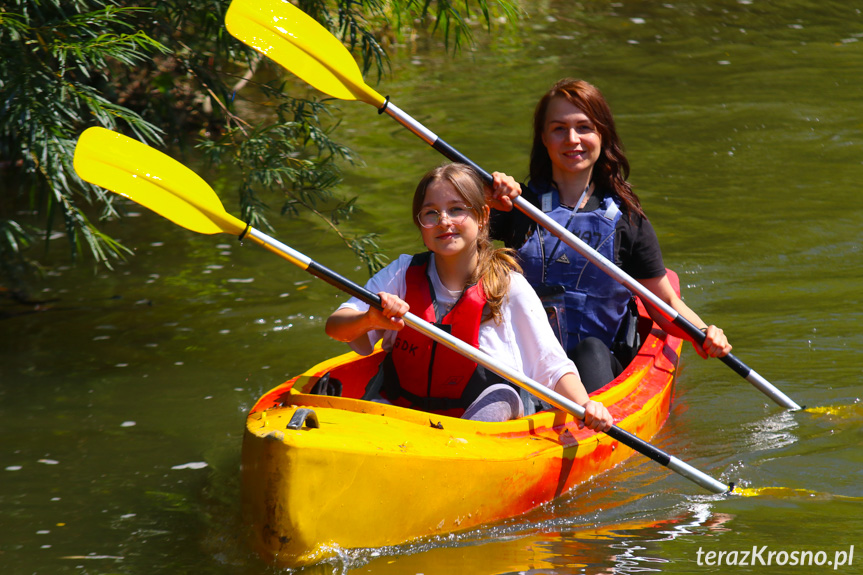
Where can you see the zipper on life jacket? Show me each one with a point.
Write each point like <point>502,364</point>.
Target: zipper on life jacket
<point>438,323</point>
<point>431,369</point>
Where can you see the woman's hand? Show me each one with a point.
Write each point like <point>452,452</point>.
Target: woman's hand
<point>715,344</point>
<point>596,416</point>
<point>504,190</point>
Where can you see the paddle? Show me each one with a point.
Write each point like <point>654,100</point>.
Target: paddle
<point>156,181</point>
<point>290,37</point>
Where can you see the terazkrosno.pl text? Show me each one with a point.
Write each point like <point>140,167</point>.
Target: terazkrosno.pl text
<point>764,556</point>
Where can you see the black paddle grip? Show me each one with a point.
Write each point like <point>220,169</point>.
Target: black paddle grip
<point>344,284</point>
<point>639,445</point>
<point>456,156</point>
<point>699,336</point>
<point>741,368</point>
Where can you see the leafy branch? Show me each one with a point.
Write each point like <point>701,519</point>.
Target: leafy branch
<point>163,71</point>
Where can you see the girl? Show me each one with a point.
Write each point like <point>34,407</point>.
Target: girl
<point>472,290</point>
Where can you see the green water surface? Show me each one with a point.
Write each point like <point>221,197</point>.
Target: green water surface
<point>123,396</point>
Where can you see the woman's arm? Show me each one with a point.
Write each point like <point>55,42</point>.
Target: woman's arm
<point>351,325</point>
<point>716,344</point>
<point>512,227</point>
<point>641,257</point>
<point>502,193</point>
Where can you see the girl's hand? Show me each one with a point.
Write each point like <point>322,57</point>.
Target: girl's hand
<point>596,416</point>
<point>504,190</point>
<point>352,326</point>
<point>390,316</point>
<point>715,344</point>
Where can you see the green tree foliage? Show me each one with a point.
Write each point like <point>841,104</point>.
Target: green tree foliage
<point>166,71</point>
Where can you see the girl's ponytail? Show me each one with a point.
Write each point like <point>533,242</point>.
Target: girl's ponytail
<point>493,268</point>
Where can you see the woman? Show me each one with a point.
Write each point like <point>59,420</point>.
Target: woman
<point>471,289</point>
<point>578,173</point>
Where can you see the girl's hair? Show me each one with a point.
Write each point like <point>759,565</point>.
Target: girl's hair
<point>612,167</point>
<point>493,264</point>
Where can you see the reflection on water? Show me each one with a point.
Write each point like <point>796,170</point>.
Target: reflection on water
<point>626,547</point>
<point>773,432</point>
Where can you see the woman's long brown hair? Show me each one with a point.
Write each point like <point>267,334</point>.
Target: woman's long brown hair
<point>493,264</point>
<point>612,168</point>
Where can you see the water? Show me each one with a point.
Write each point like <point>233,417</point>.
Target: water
<point>122,399</point>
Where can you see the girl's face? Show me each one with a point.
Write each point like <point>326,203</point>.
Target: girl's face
<point>570,137</point>
<point>448,237</point>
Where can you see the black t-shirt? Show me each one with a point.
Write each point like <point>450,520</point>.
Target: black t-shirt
<point>636,246</point>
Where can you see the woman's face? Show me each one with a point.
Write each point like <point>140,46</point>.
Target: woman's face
<point>570,137</point>
<point>448,237</point>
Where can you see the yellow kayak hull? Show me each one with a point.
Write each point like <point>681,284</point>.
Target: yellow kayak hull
<point>354,474</point>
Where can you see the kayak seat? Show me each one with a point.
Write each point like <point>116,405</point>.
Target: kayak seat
<point>327,385</point>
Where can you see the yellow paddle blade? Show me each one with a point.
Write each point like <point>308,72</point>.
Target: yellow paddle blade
<point>152,179</point>
<point>788,492</point>
<point>851,411</point>
<point>289,36</point>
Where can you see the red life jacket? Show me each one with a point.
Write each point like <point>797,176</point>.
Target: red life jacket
<point>422,374</point>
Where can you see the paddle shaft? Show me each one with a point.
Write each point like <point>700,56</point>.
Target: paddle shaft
<point>487,361</point>
<point>594,257</point>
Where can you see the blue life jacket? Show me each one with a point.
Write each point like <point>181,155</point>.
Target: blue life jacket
<point>595,302</point>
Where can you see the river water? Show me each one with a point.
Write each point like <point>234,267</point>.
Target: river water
<point>122,398</point>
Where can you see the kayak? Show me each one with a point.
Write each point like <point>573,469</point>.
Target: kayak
<point>324,471</point>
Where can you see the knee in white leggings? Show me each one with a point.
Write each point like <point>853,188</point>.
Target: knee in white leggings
<point>498,402</point>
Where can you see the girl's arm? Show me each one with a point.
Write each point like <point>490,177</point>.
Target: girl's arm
<point>351,325</point>
<point>596,415</point>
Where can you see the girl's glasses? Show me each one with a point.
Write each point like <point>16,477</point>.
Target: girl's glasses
<point>429,218</point>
